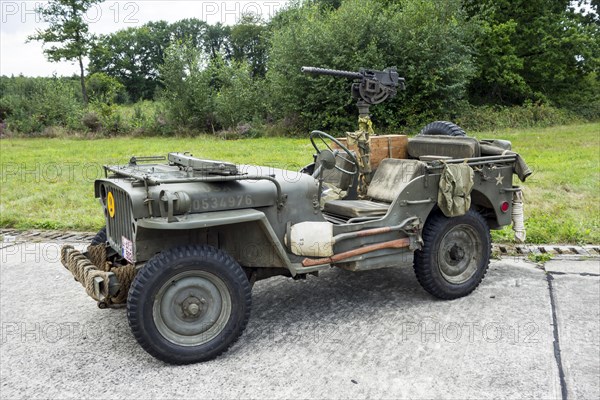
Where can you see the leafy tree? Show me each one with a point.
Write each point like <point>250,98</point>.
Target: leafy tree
<point>189,86</point>
<point>68,34</point>
<point>327,4</point>
<point>216,42</point>
<point>292,12</point>
<point>532,50</point>
<point>249,43</point>
<point>133,56</point>
<point>589,9</point>
<point>240,98</point>
<point>190,30</point>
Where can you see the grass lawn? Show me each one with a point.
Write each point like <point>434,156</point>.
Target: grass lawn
<point>48,183</point>
<point>562,197</point>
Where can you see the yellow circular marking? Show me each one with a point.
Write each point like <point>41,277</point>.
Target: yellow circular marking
<point>110,204</point>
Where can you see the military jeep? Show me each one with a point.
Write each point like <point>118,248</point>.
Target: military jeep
<point>186,238</point>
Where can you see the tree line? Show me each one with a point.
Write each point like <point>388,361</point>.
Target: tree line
<point>458,57</point>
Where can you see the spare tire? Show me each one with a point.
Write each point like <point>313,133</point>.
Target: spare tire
<point>444,128</point>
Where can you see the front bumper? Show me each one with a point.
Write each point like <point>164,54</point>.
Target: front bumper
<point>103,282</point>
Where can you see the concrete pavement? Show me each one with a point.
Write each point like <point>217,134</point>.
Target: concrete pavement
<point>343,335</point>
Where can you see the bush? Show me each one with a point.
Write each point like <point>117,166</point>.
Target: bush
<point>240,99</point>
<point>147,118</point>
<point>189,87</point>
<point>28,105</point>
<point>105,89</point>
<point>111,118</point>
<point>92,121</point>
<point>490,118</point>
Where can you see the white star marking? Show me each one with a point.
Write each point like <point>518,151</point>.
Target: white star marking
<point>499,179</point>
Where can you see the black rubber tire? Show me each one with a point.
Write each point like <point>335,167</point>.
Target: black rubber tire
<point>427,265</point>
<point>164,267</point>
<point>100,237</point>
<point>442,128</point>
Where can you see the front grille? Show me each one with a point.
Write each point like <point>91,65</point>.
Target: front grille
<point>121,224</point>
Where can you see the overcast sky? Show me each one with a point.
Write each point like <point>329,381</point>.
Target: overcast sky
<point>18,20</point>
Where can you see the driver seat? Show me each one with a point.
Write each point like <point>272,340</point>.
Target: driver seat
<point>390,179</point>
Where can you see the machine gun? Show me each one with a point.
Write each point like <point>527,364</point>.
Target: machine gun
<point>372,87</point>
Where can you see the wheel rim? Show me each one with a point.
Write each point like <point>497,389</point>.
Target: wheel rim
<point>192,308</point>
<point>460,254</point>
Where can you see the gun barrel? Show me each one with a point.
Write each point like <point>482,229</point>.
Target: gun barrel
<point>332,72</point>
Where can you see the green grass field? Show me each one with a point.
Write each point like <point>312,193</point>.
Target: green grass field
<point>48,183</point>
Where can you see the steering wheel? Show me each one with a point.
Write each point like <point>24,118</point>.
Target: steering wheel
<point>349,156</point>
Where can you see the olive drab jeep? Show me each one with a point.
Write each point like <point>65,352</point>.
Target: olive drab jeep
<point>186,238</point>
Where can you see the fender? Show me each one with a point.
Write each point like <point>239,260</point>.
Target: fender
<point>222,218</point>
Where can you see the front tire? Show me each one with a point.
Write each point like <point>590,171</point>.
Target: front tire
<point>189,304</point>
<point>455,255</point>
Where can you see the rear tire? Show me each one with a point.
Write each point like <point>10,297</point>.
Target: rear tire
<point>455,255</point>
<point>442,128</point>
<point>189,304</point>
